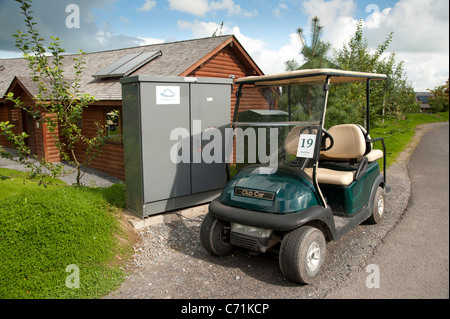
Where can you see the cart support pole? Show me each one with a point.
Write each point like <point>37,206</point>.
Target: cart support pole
<point>236,106</point>
<point>326,89</point>
<point>368,107</point>
<point>233,126</point>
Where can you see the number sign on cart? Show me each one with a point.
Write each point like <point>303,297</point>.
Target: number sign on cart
<point>306,145</point>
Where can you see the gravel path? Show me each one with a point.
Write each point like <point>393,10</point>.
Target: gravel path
<point>171,263</point>
<point>91,177</point>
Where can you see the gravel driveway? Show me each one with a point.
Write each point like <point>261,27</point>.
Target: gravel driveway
<point>171,263</point>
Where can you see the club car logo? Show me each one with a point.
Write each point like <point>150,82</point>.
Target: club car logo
<point>253,193</point>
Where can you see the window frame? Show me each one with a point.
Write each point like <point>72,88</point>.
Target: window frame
<point>119,140</point>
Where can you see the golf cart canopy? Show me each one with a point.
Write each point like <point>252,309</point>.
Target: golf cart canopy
<point>311,76</point>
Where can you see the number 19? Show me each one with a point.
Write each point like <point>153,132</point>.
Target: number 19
<point>309,142</point>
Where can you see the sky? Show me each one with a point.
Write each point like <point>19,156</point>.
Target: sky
<point>266,28</point>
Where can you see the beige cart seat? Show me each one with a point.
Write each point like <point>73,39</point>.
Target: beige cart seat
<point>349,146</point>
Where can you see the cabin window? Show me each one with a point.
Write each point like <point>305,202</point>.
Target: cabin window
<point>14,114</point>
<point>113,125</point>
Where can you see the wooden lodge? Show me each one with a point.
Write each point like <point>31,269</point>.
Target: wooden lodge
<point>219,57</point>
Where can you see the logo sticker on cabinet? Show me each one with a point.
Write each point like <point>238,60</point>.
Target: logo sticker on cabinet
<point>167,95</point>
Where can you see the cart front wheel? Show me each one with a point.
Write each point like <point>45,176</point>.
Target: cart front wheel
<point>302,254</point>
<point>215,236</point>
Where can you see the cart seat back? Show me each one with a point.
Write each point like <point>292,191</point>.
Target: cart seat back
<point>349,143</point>
<point>291,141</point>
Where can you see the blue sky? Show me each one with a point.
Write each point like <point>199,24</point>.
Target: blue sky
<point>266,28</point>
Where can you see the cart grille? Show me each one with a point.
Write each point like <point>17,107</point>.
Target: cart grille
<point>249,242</point>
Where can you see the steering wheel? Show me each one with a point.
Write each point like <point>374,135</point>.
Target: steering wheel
<point>325,136</point>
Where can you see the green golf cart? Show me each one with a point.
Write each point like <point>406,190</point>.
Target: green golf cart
<point>318,185</point>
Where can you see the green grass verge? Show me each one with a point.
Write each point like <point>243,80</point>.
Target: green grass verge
<point>398,133</point>
<point>44,232</point>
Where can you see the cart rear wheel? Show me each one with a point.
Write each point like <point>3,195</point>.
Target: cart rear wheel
<point>302,254</point>
<point>215,236</point>
<point>378,207</point>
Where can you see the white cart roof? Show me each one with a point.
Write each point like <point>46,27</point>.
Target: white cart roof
<point>311,76</point>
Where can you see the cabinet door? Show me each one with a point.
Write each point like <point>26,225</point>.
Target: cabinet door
<point>210,115</point>
<point>164,108</point>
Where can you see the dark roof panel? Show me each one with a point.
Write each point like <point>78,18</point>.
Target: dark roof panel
<point>176,58</point>
<point>127,64</point>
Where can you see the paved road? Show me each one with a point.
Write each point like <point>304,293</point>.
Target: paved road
<point>413,259</point>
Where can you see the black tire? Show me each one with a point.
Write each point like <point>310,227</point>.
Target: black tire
<point>302,254</point>
<point>378,207</point>
<point>215,236</point>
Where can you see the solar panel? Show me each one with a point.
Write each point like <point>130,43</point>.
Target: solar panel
<point>127,64</point>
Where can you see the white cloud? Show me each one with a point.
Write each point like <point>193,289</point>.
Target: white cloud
<point>329,11</point>
<point>232,8</point>
<point>273,61</point>
<point>147,6</point>
<point>201,7</point>
<point>421,33</point>
<point>108,40</point>
<point>336,16</point>
<point>206,29</point>
<point>124,19</point>
<point>425,70</point>
<point>279,11</point>
<point>270,61</point>
<point>200,29</point>
<point>421,38</point>
<point>194,7</point>
<point>148,41</point>
<point>418,26</point>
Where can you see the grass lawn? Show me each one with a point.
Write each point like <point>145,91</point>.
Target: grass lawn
<point>57,235</point>
<point>398,133</point>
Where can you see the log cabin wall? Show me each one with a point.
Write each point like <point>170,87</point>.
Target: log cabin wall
<point>22,121</point>
<point>111,161</point>
<point>4,116</point>
<point>226,63</point>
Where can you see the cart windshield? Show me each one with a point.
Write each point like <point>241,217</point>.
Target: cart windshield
<point>277,125</point>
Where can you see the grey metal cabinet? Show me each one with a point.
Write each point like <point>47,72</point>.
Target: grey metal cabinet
<point>170,125</point>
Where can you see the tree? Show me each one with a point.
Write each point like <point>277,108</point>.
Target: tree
<point>317,50</point>
<point>389,98</point>
<point>59,103</point>
<point>316,56</point>
<point>439,99</point>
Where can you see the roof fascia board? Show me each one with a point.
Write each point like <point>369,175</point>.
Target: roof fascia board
<point>206,57</point>
<point>247,56</point>
<point>16,82</point>
<point>231,39</point>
